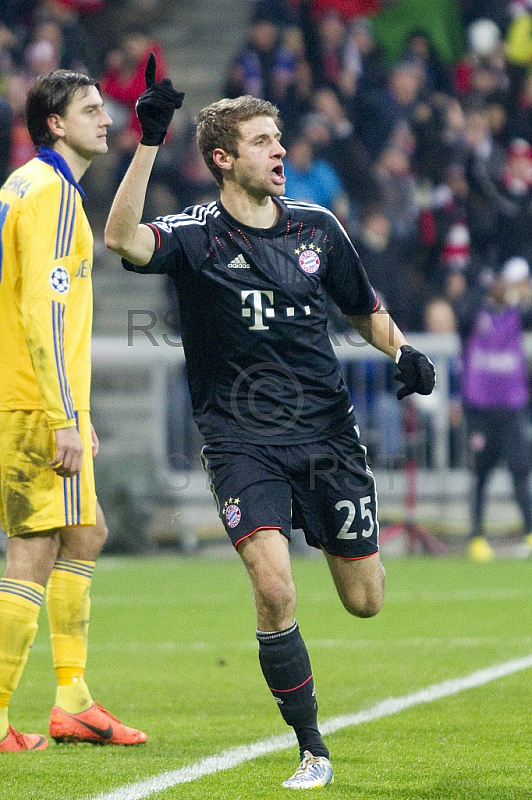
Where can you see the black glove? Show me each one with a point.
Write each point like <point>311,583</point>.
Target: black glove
<point>155,107</point>
<point>416,371</point>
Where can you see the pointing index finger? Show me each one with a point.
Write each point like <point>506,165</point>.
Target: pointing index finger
<point>149,74</point>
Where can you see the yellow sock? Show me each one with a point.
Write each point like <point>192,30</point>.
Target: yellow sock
<point>4,723</point>
<point>68,606</point>
<point>20,604</point>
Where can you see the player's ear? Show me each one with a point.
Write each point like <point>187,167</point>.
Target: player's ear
<point>55,123</point>
<point>222,159</point>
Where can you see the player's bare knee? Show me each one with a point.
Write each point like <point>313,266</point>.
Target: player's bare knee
<point>84,542</point>
<point>275,601</point>
<point>278,599</point>
<point>99,533</point>
<point>362,604</point>
<point>102,531</point>
<point>362,610</point>
<point>95,541</point>
<point>32,557</point>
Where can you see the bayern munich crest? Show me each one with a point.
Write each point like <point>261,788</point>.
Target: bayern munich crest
<point>309,260</point>
<point>60,280</point>
<point>233,515</point>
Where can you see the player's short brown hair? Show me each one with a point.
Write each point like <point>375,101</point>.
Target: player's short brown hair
<point>217,126</point>
<point>51,94</point>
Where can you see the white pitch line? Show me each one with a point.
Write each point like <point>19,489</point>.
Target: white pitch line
<point>312,644</point>
<point>238,755</point>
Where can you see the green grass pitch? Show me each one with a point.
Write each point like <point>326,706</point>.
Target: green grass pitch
<point>173,652</point>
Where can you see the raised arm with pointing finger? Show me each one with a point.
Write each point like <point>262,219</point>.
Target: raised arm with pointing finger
<point>155,110</point>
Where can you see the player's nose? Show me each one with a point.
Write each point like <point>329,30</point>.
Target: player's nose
<point>280,152</point>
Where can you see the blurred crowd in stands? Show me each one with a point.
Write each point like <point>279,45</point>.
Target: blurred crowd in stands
<point>426,160</point>
<point>417,135</point>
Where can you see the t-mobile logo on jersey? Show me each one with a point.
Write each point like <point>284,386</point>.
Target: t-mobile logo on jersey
<point>259,313</point>
<point>254,298</point>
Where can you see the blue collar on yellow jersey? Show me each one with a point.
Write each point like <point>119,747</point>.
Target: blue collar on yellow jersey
<point>52,157</point>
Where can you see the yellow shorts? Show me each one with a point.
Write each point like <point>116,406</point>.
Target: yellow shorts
<point>32,497</point>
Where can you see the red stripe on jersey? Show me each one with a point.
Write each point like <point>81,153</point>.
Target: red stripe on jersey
<point>157,234</point>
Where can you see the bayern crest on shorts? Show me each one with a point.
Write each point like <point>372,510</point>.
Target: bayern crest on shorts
<point>309,261</point>
<point>233,515</point>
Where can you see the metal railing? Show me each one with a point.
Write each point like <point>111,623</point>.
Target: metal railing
<point>141,411</point>
<point>149,370</point>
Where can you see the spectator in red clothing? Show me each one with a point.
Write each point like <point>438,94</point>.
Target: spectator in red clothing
<point>79,6</point>
<point>123,82</point>
<point>351,8</point>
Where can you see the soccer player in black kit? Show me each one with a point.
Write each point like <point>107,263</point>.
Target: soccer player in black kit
<point>282,448</point>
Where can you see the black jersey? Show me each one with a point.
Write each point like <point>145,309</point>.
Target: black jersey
<point>252,303</point>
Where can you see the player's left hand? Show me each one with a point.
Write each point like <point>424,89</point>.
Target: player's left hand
<point>155,107</point>
<point>416,371</point>
<point>68,456</point>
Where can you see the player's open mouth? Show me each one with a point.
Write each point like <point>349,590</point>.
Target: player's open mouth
<point>277,174</point>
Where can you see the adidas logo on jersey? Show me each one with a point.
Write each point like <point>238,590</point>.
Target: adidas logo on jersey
<point>239,262</point>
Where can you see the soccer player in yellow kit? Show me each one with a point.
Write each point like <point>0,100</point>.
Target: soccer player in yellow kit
<point>48,504</point>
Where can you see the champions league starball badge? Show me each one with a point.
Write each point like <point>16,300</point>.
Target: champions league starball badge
<point>233,515</point>
<point>59,280</point>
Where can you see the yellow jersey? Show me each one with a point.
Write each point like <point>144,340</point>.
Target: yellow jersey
<point>46,247</point>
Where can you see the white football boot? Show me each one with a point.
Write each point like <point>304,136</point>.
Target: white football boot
<point>313,773</point>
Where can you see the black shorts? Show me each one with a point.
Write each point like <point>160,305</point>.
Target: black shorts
<point>325,488</point>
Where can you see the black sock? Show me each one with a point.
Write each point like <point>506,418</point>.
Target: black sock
<point>286,666</point>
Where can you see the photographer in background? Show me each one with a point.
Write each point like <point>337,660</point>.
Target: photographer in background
<point>495,393</point>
